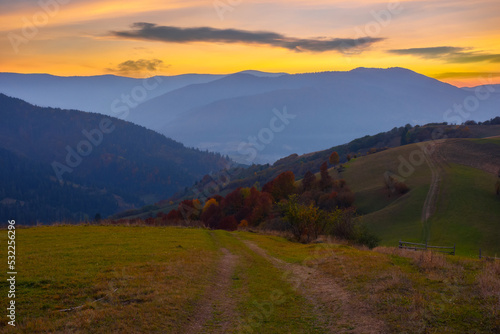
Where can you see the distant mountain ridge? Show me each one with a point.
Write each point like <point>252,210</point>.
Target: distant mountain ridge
<point>92,93</point>
<point>232,114</point>
<point>226,115</point>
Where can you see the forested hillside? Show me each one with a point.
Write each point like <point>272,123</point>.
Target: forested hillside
<point>102,156</point>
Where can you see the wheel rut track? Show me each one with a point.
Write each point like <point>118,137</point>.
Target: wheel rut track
<point>216,300</point>
<point>338,310</point>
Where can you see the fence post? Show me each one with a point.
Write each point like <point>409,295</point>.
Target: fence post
<point>426,244</point>
<point>479,253</point>
<point>454,248</point>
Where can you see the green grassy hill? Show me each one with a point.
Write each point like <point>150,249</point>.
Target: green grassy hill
<point>465,209</point>
<point>137,279</point>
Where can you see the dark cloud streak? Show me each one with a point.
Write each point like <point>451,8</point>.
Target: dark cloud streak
<point>433,52</point>
<point>474,57</point>
<point>150,31</point>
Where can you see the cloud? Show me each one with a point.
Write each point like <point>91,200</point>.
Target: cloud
<point>150,31</point>
<point>450,54</point>
<point>134,66</point>
<point>433,52</point>
<point>474,57</point>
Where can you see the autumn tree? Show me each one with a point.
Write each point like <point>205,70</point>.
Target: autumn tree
<point>233,202</point>
<point>211,215</point>
<point>325,181</point>
<point>190,209</point>
<point>174,216</point>
<point>228,223</point>
<point>308,182</point>
<point>334,158</point>
<point>260,205</point>
<point>211,201</point>
<point>281,187</point>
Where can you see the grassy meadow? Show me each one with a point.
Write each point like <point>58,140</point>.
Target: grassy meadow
<point>136,279</point>
<point>466,211</point>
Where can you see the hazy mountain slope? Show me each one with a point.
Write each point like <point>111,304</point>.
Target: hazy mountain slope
<point>92,150</point>
<point>233,114</point>
<point>162,110</point>
<point>331,108</point>
<point>93,93</point>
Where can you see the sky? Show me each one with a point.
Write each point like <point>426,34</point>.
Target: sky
<point>452,41</point>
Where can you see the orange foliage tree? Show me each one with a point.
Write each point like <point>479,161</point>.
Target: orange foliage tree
<point>334,158</point>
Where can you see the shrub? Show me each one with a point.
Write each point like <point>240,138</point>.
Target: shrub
<point>243,225</point>
<point>364,237</point>
<point>306,222</point>
<point>394,186</point>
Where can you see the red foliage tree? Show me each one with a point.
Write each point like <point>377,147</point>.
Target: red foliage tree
<point>308,182</point>
<point>260,203</point>
<point>173,216</point>
<point>212,216</point>
<point>228,223</point>
<point>281,187</point>
<point>233,202</point>
<point>325,181</point>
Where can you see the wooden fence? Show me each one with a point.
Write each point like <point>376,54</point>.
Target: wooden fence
<point>417,246</point>
<point>492,258</point>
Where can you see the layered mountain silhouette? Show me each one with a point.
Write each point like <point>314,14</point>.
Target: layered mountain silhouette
<point>93,93</point>
<point>233,115</point>
<point>258,117</point>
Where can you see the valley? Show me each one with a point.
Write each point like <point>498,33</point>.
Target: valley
<point>250,167</point>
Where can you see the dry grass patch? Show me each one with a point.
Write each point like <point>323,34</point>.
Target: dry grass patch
<point>489,286</point>
<point>126,279</point>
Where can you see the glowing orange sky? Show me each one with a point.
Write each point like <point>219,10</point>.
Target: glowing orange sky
<point>76,38</point>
